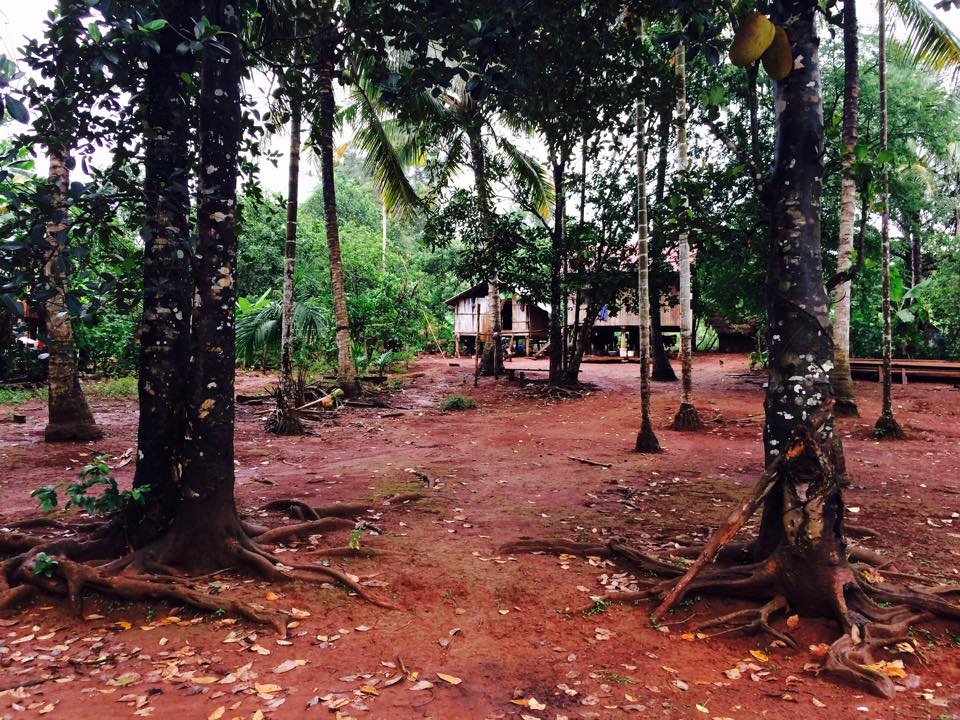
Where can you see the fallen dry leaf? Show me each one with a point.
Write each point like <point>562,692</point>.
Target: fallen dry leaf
<point>759,655</point>
<point>452,679</point>
<point>793,622</point>
<point>218,713</point>
<point>288,665</point>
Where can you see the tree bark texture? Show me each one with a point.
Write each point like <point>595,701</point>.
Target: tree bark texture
<point>164,331</point>
<point>492,361</point>
<point>558,310</point>
<point>886,426</point>
<point>646,439</point>
<point>206,525</point>
<point>69,416</point>
<point>840,378</point>
<point>662,369</point>
<point>346,369</point>
<point>802,519</point>
<point>687,417</point>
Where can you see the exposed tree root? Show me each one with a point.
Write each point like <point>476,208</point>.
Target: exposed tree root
<point>300,510</point>
<point>753,619</point>
<point>68,578</point>
<point>152,573</point>
<point>310,527</point>
<point>887,428</point>
<point>687,419</point>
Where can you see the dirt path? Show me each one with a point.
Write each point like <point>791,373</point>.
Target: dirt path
<point>506,626</point>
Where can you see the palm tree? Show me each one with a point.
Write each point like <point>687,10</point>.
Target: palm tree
<point>886,426</point>
<point>687,417</point>
<point>326,44</point>
<point>465,124</point>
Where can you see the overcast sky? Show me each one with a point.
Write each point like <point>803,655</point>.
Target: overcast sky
<point>24,19</point>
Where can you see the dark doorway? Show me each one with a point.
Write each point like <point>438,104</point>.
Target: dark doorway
<point>506,315</point>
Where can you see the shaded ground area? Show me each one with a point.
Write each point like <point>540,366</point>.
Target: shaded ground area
<point>507,627</point>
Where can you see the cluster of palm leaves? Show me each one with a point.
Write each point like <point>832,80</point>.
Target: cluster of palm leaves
<point>259,324</point>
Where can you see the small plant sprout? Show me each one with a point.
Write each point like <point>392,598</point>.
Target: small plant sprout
<point>354,541</point>
<point>597,607</point>
<point>44,565</point>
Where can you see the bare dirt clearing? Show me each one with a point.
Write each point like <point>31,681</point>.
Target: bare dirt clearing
<point>508,627</point>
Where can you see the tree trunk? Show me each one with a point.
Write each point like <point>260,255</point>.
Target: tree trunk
<point>284,420</point>
<point>164,330</point>
<point>69,416</point>
<point>383,237</point>
<point>687,417</point>
<point>206,529</point>
<point>841,380</point>
<point>582,340</point>
<point>803,518</point>
<point>206,526</point>
<point>662,369</point>
<point>558,310</point>
<point>492,361</point>
<point>646,439</point>
<point>886,426</point>
<point>346,369</point>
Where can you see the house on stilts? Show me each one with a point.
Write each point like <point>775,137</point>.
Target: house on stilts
<point>525,325</point>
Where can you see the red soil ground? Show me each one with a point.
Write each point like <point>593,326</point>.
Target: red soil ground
<point>507,626</point>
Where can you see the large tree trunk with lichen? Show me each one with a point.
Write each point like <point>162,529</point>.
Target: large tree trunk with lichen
<point>841,380</point>
<point>491,362</point>
<point>687,417</point>
<point>164,331</point>
<point>646,439</point>
<point>69,416</point>
<point>886,426</point>
<point>206,529</point>
<point>346,368</point>
<point>802,523</point>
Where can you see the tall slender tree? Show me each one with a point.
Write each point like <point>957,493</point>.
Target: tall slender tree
<point>327,46</point>
<point>284,420</point>
<point>840,378</point>
<point>687,417</point>
<point>646,439</point>
<point>886,425</point>
<point>69,416</point>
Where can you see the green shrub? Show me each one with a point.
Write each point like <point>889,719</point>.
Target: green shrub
<point>456,403</point>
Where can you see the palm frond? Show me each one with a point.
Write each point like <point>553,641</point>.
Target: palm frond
<point>383,160</point>
<point>529,174</point>
<point>931,42</point>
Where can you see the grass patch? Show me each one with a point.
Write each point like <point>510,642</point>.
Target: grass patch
<point>19,396</point>
<point>453,403</point>
<point>116,388</point>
